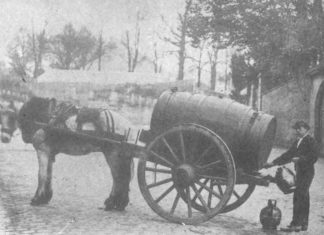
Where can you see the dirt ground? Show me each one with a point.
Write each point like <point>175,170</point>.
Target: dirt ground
<point>81,184</point>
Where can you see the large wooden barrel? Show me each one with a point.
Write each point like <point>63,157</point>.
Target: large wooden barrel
<point>249,134</point>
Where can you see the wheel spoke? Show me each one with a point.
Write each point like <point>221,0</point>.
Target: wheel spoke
<point>239,197</point>
<point>200,198</point>
<point>210,164</point>
<point>158,170</point>
<point>204,154</point>
<point>210,195</point>
<point>200,189</point>
<point>183,150</point>
<point>155,167</point>
<point>162,159</point>
<point>236,194</point>
<point>193,147</point>
<point>216,179</point>
<point>220,189</point>
<point>209,189</point>
<point>175,203</point>
<point>159,183</point>
<point>164,194</point>
<point>170,150</point>
<point>189,203</point>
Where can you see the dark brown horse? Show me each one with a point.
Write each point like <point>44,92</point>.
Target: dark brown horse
<point>8,121</point>
<point>49,143</point>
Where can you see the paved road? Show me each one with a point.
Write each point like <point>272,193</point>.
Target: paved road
<point>81,184</point>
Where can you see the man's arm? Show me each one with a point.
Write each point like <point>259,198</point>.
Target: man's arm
<point>283,158</point>
<point>286,156</point>
<point>312,152</point>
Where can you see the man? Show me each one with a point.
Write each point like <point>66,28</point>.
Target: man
<point>304,154</point>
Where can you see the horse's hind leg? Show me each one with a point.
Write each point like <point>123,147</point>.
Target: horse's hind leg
<point>45,162</point>
<point>120,166</point>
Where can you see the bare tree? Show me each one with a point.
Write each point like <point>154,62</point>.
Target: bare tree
<point>19,54</point>
<point>103,49</point>
<point>39,45</point>
<point>132,46</point>
<point>214,48</point>
<point>198,61</point>
<point>213,57</point>
<point>179,40</point>
<point>156,59</point>
<point>100,50</point>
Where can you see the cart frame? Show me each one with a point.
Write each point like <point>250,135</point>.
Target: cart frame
<point>206,181</point>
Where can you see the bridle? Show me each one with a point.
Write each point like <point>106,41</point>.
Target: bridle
<point>11,117</point>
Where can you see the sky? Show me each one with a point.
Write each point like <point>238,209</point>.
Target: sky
<point>112,17</point>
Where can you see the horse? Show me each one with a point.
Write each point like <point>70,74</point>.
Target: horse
<point>47,143</point>
<point>8,121</point>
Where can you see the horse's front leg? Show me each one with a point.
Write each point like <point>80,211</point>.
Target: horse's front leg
<point>45,163</point>
<point>120,166</point>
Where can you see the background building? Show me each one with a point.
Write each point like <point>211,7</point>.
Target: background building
<point>298,100</point>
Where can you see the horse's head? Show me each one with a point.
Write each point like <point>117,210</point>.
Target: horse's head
<point>8,120</point>
<point>36,109</point>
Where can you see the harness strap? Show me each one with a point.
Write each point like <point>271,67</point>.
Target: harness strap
<point>107,120</point>
<point>112,122</point>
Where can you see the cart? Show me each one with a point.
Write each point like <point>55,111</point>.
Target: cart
<point>200,157</point>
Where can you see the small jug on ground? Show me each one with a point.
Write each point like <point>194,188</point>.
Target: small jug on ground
<point>270,216</point>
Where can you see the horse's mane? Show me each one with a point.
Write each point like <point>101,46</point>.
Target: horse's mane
<point>35,109</point>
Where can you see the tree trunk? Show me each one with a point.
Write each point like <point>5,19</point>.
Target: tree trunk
<point>182,43</point>
<point>181,65</point>
<point>199,76</point>
<point>226,78</point>
<point>100,52</point>
<point>213,74</point>
<point>181,53</point>
<point>213,57</point>
<point>129,53</point>
<point>35,55</point>
<point>248,92</point>
<point>155,60</point>
<point>251,98</point>
<point>259,92</point>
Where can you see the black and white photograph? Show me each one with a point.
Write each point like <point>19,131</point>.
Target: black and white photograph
<point>161,117</point>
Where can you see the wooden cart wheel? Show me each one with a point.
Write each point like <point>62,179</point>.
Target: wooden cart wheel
<point>181,166</point>
<point>240,194</point>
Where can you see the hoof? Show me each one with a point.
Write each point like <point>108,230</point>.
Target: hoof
<point>121,205</point>
<point>41,200</point>
<point>38,202</point>
<point>109,204</point>
<point>116,203</point>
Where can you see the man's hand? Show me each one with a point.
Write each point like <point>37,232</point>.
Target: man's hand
<point>295,159</point>
<point>268,165</point>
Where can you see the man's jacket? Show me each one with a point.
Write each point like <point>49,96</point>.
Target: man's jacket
<point>307,152</point>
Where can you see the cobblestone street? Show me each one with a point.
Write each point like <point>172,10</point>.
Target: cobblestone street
<point>81,184</point>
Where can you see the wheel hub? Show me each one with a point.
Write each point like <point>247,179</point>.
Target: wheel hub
<point>184,175</point>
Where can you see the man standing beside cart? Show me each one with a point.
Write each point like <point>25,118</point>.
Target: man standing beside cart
<point>304,154</point>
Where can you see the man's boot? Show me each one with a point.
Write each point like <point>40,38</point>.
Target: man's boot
<point>291,228</point>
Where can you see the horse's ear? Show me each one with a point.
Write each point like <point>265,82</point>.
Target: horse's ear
<point>51,105</point>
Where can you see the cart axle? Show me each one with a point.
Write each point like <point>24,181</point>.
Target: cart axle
<point>184,175</point>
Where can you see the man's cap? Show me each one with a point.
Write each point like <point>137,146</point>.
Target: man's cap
<point>300,124</point>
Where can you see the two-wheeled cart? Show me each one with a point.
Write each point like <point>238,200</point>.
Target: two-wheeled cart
<point>201,155</point>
